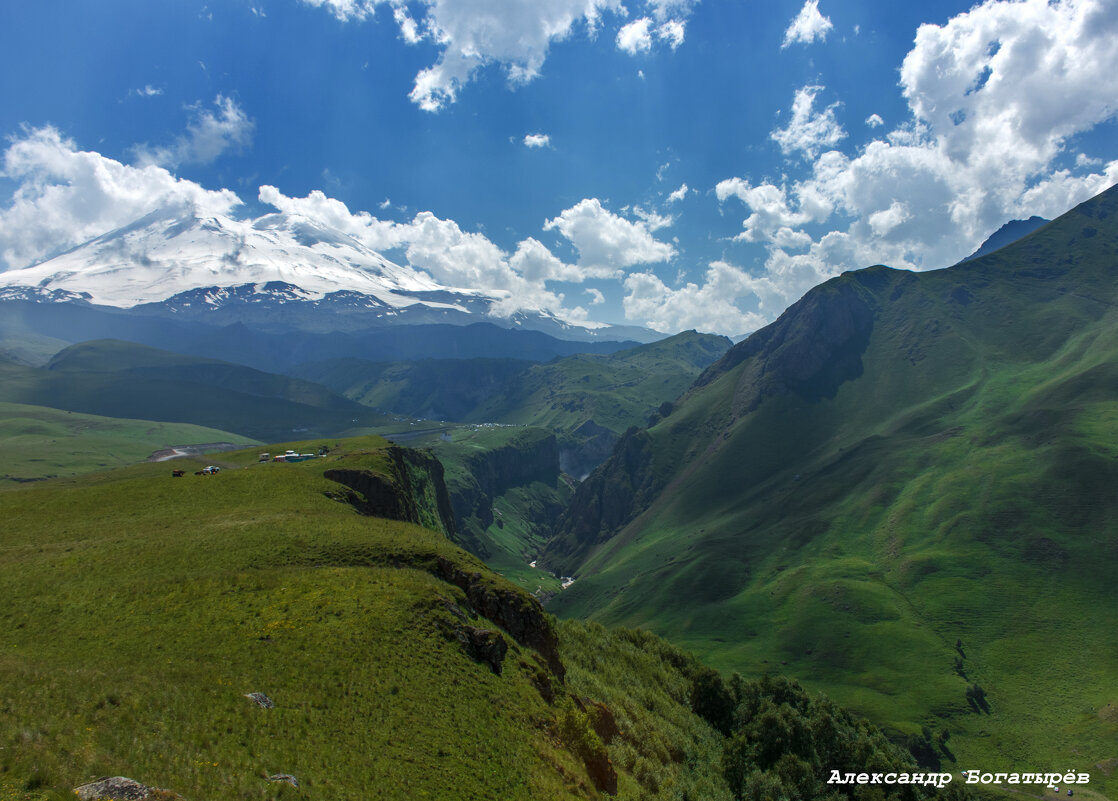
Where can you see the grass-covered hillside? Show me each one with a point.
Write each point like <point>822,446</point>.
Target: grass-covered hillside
<point>142,610</point>
<point>901,492</point>
<point>37,442</point>
<point>120,379</point>
<point>587,399</point>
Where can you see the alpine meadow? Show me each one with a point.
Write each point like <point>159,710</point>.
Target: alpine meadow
<point>660,400</point>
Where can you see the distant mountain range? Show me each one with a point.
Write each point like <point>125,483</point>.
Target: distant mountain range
<point>278,275</point>
<point>125,380</point>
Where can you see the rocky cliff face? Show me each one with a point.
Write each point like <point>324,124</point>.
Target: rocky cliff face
<point>585,448</point>
<point>605,501</point>
<point>485,475</point>
<point>415,492</point>
<point>513,610</point>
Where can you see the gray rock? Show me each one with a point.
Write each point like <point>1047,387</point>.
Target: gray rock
<point>121,788</point>
<point>261,700</point>
<point>483,645</point>
<point>284,777</point>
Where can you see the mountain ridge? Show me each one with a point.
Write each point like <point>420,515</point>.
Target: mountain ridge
<point>901,462</point>
<point>1009,233</point>
<point>123,379</point>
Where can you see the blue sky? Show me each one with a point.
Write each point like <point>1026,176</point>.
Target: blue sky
<point>671,163</point>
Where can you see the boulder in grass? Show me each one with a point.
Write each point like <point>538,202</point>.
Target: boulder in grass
<point>121,788</point>
<point>261,700</point>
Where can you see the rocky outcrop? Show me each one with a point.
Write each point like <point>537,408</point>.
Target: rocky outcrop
<point>513,610</point>
<point>121,788</point>
<point>261,700</point>
<point>531,456</point>
<point>483,645</point>
<point>285,778</point>
<point>600,716</point>
<point>414,492</point>
<point>601,772</point>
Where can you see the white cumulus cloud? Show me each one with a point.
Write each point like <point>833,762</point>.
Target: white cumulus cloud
<point>672,32</point>
<point>771,210</point>
<point>707,307</point>
<point>608,243</point>
<point>209,134</point>
<point>807,26</point>
<point>996,95</point>
<point>514,34</point>
<point>65,196</point>
<point>809,131</point>
<point>636,37</point>
<point>537,140</point>
<point>347,9</point>
<point>679,194</point>
<point>1009,82</point>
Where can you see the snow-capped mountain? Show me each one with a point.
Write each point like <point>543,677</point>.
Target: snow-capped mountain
<point>169,252</point>
<point>279,274</point>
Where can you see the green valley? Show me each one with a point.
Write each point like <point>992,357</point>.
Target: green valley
<point>901,492</point>
<point>898,494</point>
<point>588,400</point>
<point>559,400</point>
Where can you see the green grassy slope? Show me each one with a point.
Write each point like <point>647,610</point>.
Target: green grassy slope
<point>900,490</point>
<point>615,391</point>
<point>20,342</point>
<point>435,389</point>
<point>140,609</point>
<point>29,350</point>
<point>37,442</point>
<point>120,379</point>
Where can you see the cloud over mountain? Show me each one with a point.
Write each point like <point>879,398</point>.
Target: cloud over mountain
<point>978,149</point>
<point>64,196</point>
<point>606,242</point>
